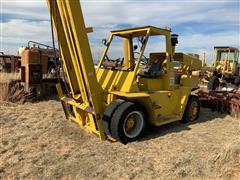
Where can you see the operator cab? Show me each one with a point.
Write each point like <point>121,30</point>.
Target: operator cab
<point>226,53</point>
<point>141,59</point>
<point>142,48</point>
<point>226,59</point>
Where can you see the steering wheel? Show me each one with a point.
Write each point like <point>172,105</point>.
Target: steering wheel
<point>144,61</point>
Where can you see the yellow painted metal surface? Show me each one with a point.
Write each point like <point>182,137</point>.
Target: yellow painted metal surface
<point>75,50</point>
<point>164,97</point>
<point>225,63</point>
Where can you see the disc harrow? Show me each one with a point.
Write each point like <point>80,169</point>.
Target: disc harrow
<point>222,101</point>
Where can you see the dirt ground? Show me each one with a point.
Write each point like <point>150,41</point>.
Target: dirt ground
<point>38,143</point>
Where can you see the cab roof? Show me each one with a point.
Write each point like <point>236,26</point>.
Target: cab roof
<point>141,31</point>
<point>225,47</point>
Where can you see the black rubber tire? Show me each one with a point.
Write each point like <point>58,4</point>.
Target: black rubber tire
<point>108,114</point>
<point>186,117</point>
<point>117,122</point>
<point>213,83</point>
<point>237,80</point>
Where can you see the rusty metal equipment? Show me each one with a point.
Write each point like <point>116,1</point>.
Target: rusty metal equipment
<point>220,80</point>
<point>9,63</point>
<point>38,69</point>
<point>222,101</point>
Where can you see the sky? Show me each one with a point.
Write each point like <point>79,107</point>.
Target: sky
<point>200,24</point>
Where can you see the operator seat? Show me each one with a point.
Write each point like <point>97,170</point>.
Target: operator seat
<point>154,71</point>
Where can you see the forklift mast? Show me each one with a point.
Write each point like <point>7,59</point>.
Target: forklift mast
<point>86,93</point>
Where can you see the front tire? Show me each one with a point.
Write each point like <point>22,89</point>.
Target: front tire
<point>109,113</point>
<point>128,122</point>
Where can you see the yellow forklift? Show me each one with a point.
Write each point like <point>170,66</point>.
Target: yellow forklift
<point>133,85</point>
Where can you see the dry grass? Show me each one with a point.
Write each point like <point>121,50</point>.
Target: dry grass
<point>3,91</point>
<point>38,143</point>
<point>5,78</point>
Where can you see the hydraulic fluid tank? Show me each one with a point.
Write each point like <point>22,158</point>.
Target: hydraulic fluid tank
<point>31,56</point>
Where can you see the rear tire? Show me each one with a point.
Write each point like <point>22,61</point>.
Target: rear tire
<point>128,122</point>
<point>213,83</point>
<point>192,110</point>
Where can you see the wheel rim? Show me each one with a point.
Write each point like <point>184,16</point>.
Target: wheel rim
<point>193,111</point>
<point>133,124</point>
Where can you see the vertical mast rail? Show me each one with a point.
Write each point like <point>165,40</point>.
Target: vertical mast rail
<point>76,53</point>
